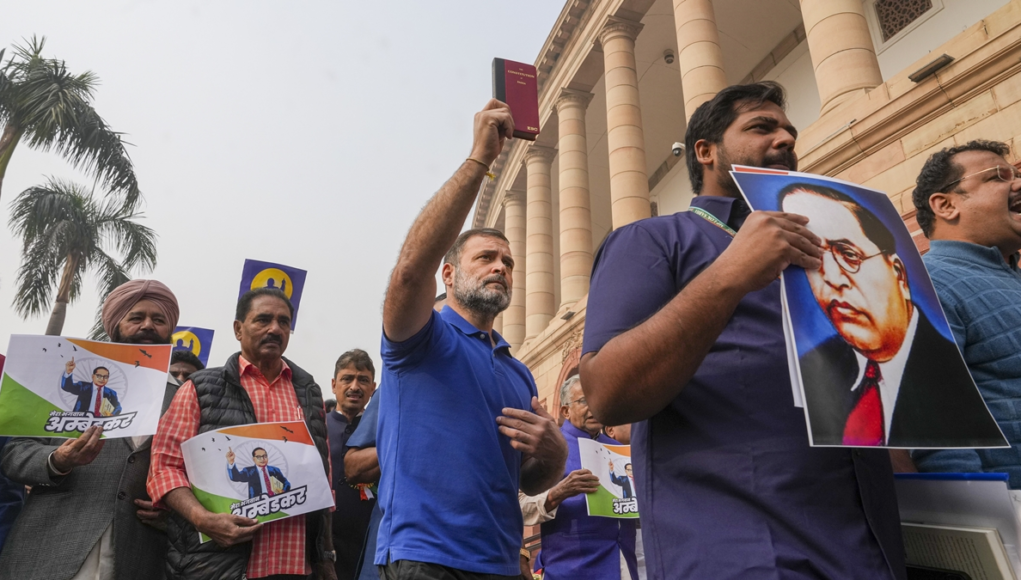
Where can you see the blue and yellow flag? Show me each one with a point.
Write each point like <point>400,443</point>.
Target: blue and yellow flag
<point>290,280</point>
<point>194,339</point>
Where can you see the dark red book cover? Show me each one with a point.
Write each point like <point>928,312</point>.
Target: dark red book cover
<point>515,83</point>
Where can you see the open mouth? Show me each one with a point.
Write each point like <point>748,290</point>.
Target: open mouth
<point>1014,205</point>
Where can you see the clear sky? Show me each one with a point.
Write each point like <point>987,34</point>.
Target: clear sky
<point>307,133</point>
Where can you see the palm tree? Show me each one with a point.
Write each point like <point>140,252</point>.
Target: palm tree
<point>50,108</point>
<point>66,233</point>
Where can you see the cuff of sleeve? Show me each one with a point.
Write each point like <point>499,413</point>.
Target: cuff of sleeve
<point>54,472</point>
<point>160,484</point>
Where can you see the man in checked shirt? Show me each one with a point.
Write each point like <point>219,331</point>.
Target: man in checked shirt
<point>255,385</point>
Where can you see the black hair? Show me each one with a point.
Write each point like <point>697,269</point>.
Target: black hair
<point>331,405</point>
<point>453,255</point>
<point>187,357</point>
<point>97,368</point>
<point>711,119</point>
<point>357,357</point>
<point>940,170</point>
<point>245,302</point>
<point>873,228</point>
<point>626,465</point>
<point>260,449</point>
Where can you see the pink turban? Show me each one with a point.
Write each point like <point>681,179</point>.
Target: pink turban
<point>125,296</point>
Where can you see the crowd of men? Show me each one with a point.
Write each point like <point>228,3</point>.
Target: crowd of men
<point>435,473</point>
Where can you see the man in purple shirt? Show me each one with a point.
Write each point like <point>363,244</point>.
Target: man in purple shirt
<point>684,338</point>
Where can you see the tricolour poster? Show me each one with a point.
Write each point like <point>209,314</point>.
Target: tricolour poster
<point>615,497</point>
<point>54,386</point>
<point>263,471</point>
<point>870,352</point>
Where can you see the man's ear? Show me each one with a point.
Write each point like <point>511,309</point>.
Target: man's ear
<point>447,274</point>
<point>237,330</point>
<point>705,152</point>
<point>902,275</point>
<point>565,412</point>
<point>944,206</point>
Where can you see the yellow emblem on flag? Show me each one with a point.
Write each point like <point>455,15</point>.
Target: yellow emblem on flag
<point>273,278</point>
<point>187,339</point>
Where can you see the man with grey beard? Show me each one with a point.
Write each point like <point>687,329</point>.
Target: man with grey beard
<point>448,374</point>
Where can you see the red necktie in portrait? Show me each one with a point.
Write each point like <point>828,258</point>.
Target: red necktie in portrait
<point>865,422</point>
<point>99,400</point>
<point>265,478</point>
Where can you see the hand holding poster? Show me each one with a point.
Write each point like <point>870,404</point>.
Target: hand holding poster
<point>54,386</point>
<point>870,351</point>
<point>615,497</point>
<point>263,471</point>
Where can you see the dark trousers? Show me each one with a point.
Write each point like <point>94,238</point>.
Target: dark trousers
<point>412,570</point>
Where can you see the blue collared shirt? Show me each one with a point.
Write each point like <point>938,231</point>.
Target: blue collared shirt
<point>728,486</point>
<point>981,295</point>
<point>449,486</point>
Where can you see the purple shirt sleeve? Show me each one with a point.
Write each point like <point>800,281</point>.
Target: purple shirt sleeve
<point>633,277</point>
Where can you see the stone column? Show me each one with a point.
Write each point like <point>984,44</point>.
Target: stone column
<point>539,303</point>
<point>698,52</point>
<point>841,48</point>
<point>575,212</point>
<point>514,229</point>
<point>629,182</point>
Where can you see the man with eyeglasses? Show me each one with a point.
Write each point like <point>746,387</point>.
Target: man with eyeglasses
<point>887,377</point>
<point>92,396</point>
<point>969,206</point>
<point>575,544</point>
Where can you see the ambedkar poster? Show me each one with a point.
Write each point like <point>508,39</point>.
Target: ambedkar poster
<point>615,497</point>
<point>287,279</point>
<point>195,340</point>
<point>54,386</point>
<point>871,355</point>
<point>263,471</point>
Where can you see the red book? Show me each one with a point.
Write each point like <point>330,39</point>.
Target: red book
<point>515,83</point>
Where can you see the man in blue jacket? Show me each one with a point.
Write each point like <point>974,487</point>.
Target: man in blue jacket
<point>259,477</point>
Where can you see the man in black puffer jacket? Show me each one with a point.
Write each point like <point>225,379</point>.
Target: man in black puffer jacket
<point>255,385</point>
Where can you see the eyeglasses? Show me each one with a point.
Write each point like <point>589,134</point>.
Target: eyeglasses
<point>580,401</point>
<point>259,456</point>
<point>99,376</point>
<point>1004,173</point>
<point>848,257</point>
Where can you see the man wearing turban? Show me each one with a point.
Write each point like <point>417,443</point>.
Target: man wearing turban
<point>89,515</point>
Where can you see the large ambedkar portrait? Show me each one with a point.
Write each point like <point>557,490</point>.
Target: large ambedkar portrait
<point>872,353</point>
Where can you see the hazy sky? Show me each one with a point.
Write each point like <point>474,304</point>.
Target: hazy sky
<point>308,133</point>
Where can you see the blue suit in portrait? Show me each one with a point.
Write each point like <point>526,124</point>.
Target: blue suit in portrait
<point>87,395</point>
<point>625,484</point>
<point>253,477</point>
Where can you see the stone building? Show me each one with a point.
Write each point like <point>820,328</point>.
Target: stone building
<point>875,87</point>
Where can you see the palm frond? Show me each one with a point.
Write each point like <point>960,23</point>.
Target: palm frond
<point>37,278</point>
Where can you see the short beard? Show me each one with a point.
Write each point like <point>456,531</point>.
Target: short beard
<point>473,295</point>
<point>726,181</point>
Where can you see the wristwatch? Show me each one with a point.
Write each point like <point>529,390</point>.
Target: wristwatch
<point>331,556</point>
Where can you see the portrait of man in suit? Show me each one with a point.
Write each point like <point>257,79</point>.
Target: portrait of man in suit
<point>261,478</point>
<point>626,482</point>
<point>94,397</point>
<point>887,377</point>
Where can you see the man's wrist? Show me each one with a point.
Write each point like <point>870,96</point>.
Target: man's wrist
<point>54,469</point>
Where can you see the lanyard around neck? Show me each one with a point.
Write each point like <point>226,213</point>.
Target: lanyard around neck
<point>713,220</point>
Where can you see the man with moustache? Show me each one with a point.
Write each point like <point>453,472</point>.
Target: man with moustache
<point>354,381</point>
<point>684,339</point>
<point>969,206</point>
<point>887,377</point>
<point>93,487</point>
<point>450,472</point>
<point>256,385</point>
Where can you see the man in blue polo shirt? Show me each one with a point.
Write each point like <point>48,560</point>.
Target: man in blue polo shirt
<point>684,337</point>
<point>457,433</point>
